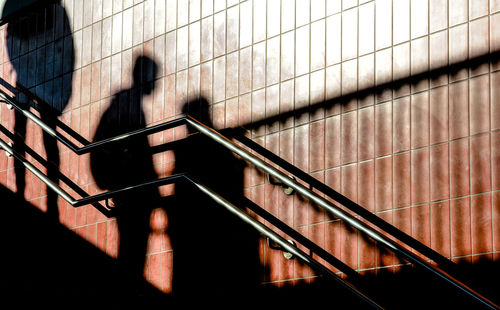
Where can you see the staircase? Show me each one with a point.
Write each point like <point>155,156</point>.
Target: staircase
<point>427,279</point>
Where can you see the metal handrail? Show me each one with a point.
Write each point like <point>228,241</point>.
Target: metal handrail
<point>338,212</point>
<point>89,147</point>
<point>372,218</point>
<point>368,216</point>
<point>325,204</point>
<point>261,228</point>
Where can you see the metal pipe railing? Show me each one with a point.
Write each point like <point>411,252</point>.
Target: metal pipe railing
<point>84,200</point>
<point>338,212</point>
<point>371,218</point>
<point>328,206</point>
<point>89,147</point>
<point>261,228</point>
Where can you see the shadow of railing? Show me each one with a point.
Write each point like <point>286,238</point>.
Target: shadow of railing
<point>453,68</point>
<point>39,105</point>
<point>46,164</point>
<point>344,201</point>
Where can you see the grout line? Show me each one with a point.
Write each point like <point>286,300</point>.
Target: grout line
<point>428,102</point>
<point>358,235</point>
<point>279,211</point>
<point>294,128</point>
<point>265,126</point>
<point>251,92</point>
<point>492,172</point>
<point>447,139</point>
<point>410,103</point>
<point>469,141</point>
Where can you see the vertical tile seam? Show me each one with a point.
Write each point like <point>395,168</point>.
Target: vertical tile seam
<point>358,237</point>
<point>450,213</point>
<point>294,90</point>
<point>373,112</point>
<point>375,206</point>
<point>378,258</point>
<point>265,114</point>
<point>428,87</point>
<point>392,116</point>
<point>266,132</point>
<point>238,63</point>
<point>469,97</point>
<point>64,221</point>
<point>294,102</point>
<point>280,130</point>
<point>252,44</point>
<point>324,122</point>
<point>279,125</point>
<point>448,125</point>
<point>340,133</point>
<point>492,173</point>
<point>212,64</point>
<point>411,98</point>
<point>225,67</point>
<point>176,72</point>
<point>309,123</point>
<point>392,100</point>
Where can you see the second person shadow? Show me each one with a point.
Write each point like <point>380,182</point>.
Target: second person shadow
<point>214,253</point>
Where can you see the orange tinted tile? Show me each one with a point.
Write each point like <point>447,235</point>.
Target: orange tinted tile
<point>480,168</point>
<point>481,219</point>
<point>460,227</point>
<point>440,227</point>
<point>439,172</point>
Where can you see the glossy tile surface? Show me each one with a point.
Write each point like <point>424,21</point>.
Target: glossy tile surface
<point>377,99</point>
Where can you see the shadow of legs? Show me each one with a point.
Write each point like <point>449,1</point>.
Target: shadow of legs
<point>52,152</point>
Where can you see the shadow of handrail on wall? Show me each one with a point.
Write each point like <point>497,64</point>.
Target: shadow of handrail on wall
<point>344,201</point>
<point>494,57</point>
<point>46,164</point>
<point>453,68</point>
<point>40,105</point>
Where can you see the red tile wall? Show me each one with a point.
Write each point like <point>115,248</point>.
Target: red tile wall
<point>423,153</point>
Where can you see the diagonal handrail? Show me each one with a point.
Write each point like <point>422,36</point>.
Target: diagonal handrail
<point>78,190</point>
<point>94,145</point>
<point>84,200</point>
<point>338,212</point>
<point>318,200</point>
<point>370,217</point>
<point>261,228</point>
<point>346,202</point>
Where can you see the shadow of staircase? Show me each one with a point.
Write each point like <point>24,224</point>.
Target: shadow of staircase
<point>42,257</point>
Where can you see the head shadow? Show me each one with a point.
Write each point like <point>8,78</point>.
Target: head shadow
<point>208,241</point>
<point>144,73</point>
<point>41,50</point>
<point>198,109</point>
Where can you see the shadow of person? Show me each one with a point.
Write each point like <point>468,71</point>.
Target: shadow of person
<point>41,51</point>
<point>214,253</point>
<point>125,163</point>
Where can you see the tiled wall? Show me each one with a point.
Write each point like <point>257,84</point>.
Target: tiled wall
<point>422,153</point>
